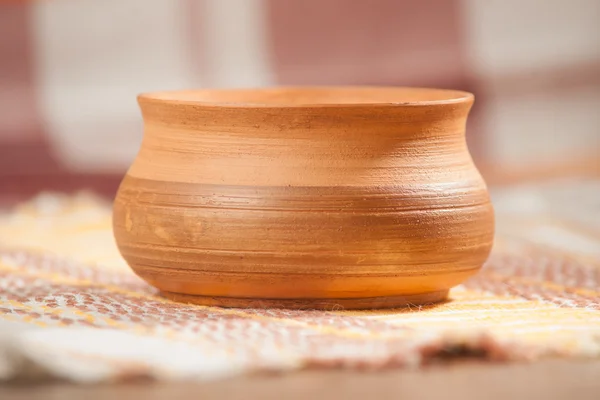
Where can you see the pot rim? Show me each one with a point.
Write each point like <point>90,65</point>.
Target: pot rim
<point>413,96</point>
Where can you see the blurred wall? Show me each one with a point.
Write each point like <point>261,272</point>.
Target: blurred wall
<point>70,71</point>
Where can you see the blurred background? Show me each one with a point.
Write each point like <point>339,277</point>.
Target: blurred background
<point>70,71</point>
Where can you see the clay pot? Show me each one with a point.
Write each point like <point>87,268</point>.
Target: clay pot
<point>304,197</point>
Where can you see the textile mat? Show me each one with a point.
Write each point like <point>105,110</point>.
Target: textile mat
<point>71,309</point>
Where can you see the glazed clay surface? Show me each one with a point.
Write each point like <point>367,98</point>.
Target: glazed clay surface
<point>304,197</point>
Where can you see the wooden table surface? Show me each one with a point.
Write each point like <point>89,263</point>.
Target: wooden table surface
<point>549,379</point>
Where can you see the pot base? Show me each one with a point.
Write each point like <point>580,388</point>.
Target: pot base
<point>313,304</point>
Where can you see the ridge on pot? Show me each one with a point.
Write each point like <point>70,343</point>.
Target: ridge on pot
<point>353,197</point>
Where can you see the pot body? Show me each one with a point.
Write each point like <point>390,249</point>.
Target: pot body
<point>277,204</point>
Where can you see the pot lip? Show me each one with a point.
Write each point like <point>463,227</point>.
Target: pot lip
<point>185,97</point>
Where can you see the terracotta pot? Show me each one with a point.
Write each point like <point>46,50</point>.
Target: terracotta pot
<point>304,197</point>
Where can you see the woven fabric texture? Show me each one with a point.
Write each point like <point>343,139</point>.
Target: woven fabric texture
<point>71,309</point>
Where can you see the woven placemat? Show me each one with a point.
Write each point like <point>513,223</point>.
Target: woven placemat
<point>71,309</point>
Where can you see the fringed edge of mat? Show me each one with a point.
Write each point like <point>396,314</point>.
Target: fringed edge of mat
<point>30,354</point>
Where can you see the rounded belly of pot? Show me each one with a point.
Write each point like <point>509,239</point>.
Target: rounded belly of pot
<point>301,242</point>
